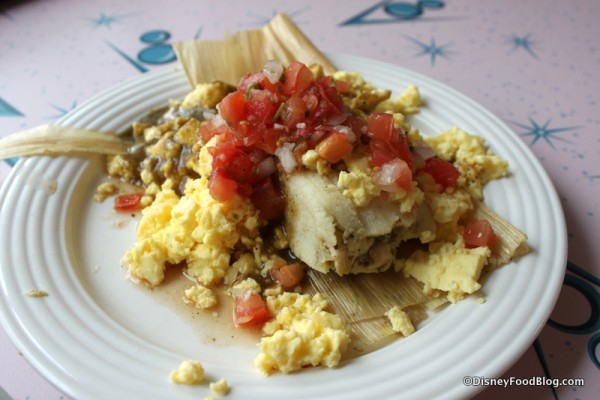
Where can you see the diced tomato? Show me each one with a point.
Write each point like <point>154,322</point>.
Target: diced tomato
<point>380,126</point>
<point>357,125</point>
<point>293,112</point>
<point>268,199</point>
<point>297,77</point>
<point>287,275</point>
<point>384,151</point>
<point>444,172</point>
<point>128,202</point>
<point>342,87</point>
<point>220,186</point>
<point>479,233</point>
<point>239,166</point>
<point>276,87</point>
<point>260,106</point>
<point>334,147</point>
<point>250,309</point>
<point>233,108</point>
<point>312,102</point>
<point>268,142</point>
<point>331,102</point>
<point>249,80</point>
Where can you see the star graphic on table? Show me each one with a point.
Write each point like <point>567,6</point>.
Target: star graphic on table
<point>591,178</point>
<point>265,19</point>
<point>431,49</point>
<point>62,111</point>
<point>523,42</point>
<point>106,20</point>
<point>543,131</point>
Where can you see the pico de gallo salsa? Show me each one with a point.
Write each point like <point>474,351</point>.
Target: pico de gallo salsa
<point>278,114</point>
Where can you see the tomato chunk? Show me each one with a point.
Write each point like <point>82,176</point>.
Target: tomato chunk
<point>268,199</point>
<point>334,147</point>
<point>220,186</point>
<point>479,233</point>
<point>287,275</point>
<point>297,78</point>
<point>250,309</point>
<point>128,202</point>
<point>260,106</point>
<point>384,151</point>
<point>233,108</point>
<point>444,172</point>
<point>380,126</point>
<point>293,111</point>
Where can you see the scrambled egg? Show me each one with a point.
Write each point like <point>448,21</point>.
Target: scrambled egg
<point>449,267</point>
<point>357,183</point>
<point>200,296</point>
<point>196,229</point>
<point>400,321</point>
<point>470,154</point>
<point>207,95</point>
<point>220,387</point>
<point>189,372</point>
<point>302,334</point>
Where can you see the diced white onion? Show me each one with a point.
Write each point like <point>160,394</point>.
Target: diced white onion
<point>285,155</point>
<point>423,149</point>
<point>301,125</point>
<point>265,168</point>
<point>218,121</point>
<point>208,114</point>
<point>273,70</point>
<point>386,177</point>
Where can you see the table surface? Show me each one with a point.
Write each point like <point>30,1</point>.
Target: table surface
<point>535,64</point>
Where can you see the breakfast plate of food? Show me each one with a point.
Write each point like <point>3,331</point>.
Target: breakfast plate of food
<point>355,233</point>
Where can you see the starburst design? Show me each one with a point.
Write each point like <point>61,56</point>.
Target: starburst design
<point>265,19</point>
<point>549,135</point>
<point>62,111</point>
<point>432,49</point>
<point>589,177</point>
<point>523,42</point>
<point>106,20</point>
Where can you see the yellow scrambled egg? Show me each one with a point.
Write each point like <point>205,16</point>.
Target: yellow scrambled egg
<point>302,334</point>
<point>200,296</point>
<point>196,229</point>
<point>476,162</point>
<point>400,321</point>
<point>449,267</point>
<point>189,372</point>
<point>220,387</point>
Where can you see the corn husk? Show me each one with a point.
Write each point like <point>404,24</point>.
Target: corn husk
<point>231,58</point>
<point>511,242</point>
<point>362,300</point>
<point>58,139</point>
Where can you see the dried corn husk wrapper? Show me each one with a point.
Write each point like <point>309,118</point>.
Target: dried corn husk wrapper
<point>58,139</point>
<point>229,59</point>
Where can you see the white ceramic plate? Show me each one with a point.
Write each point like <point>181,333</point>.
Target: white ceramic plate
<point>97,336</point>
